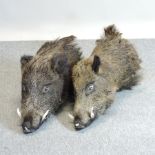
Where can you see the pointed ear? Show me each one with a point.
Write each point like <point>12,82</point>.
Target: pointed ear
<point>25,59</point>
<point>60,64</point>
<point>96,64</point>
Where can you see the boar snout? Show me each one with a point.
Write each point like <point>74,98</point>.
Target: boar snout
<point>78,124</point>
<point>84,119</point>
<point>28,124</point>
<point>32,123</point>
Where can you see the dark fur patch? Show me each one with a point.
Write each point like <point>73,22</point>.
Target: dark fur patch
<point>60,64</point>
<point>111,31</point>
<point>96,64</point>
<point>25,59</point>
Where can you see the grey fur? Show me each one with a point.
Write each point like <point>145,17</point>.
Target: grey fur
<point>46,80</point>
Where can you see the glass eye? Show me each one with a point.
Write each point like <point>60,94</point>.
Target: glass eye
<point>45,89</point>
<point>90,88</point>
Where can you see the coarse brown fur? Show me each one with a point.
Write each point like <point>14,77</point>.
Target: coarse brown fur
<point>46,80</point>
<point>112,66</point>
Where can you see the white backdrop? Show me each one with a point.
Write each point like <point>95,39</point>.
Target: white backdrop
<point>48,19</point>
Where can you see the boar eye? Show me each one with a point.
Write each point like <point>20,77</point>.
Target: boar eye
<point>45,89</point>
<point>89,88</point>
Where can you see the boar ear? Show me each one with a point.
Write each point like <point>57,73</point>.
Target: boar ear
<point>25,59</point>
<point>60,64</point>
<point>96,64</point>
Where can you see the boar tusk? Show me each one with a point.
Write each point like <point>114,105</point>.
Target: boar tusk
<point>92,115</point>
<point>77,124</point>
<point>19,113</point>
<point>71,116</point>
<point>26,129</point>
<point>44,116</point>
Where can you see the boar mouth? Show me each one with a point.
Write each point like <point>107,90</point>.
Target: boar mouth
<point>27,130</point>
<point>27,124</point>
<point>78,125</point>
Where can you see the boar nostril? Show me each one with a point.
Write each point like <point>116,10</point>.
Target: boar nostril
<point>28,119</point>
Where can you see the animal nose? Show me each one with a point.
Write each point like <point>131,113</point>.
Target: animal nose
<point>78,125</point>
<point>27,125</point>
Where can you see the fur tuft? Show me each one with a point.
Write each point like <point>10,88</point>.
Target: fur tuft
<point>111,32</point>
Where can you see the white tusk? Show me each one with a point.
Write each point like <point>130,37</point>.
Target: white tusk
<point>77,124</point>
<point>19,113</point>
<point>92,115</point>
<point>44,116</point>
<point>26,129</point>
<point>71,116</point>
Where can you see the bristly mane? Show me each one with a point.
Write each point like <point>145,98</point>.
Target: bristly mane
<point>44,55</point>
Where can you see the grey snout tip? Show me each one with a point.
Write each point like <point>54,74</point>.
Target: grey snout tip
<point>78,125</point>
<point>27,130</point>
<point>27,125</point>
